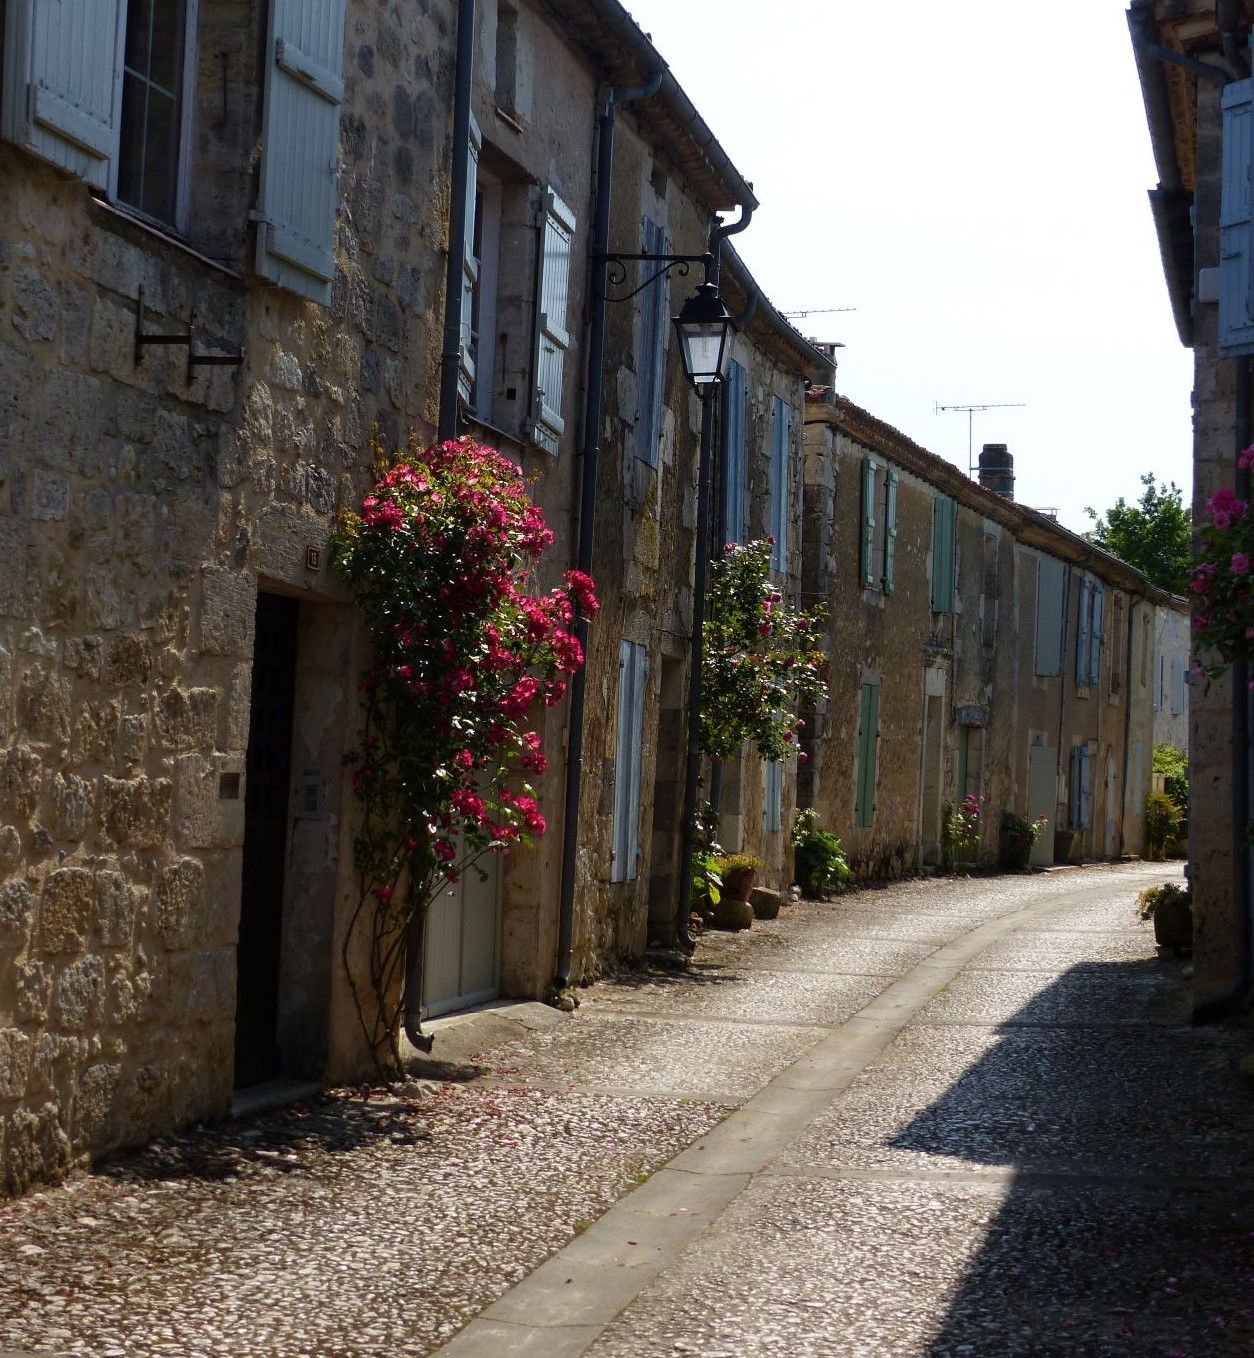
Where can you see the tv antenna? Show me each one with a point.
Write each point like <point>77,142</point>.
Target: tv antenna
<point>970,412</point>
<point>815,311</point>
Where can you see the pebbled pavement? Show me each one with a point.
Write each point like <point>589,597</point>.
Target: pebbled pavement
<point>941,1118</point>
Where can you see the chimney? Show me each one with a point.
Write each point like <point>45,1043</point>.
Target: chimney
<point>997,469</point>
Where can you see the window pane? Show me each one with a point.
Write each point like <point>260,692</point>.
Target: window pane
<point>165,52</point>
<point>131,150</point>
<point>160,156</point>
<point>138,34</point>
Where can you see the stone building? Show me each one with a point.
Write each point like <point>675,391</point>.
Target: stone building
<point>1193,61</point>
<point>223,253</point>
<point>976,647</point>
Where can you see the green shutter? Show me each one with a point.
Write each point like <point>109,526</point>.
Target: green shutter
<point>944,514</point>
<point>868,746</point>
<point>868,521</point>
<point>890,532</point>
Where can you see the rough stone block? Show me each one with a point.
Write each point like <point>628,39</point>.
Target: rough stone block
<point>203,819</point>
<point>129,992</point>
<point>34,991</point>
<point>21,778</point>
<point>51,498</point>
<point>35,307</point>
<point>69,901</point>
<point>227,607</point>
<point>35,1147</point>
<point>79,994</point>
<point>118,902</point>
<point>95,731</point>
<point>96,1110</point>
<point>17,568</point>
<point>132,741</point>
<point>15,1050</point>
<point>43,702</point>
<point>187,719</point>
<point>180,895</point>
<point>128,660</point>
<point>72,801</point>
<point>135,811</point>
<point>10,848</point>
<point>82,656</point>
<point>16,912</point>
<point>202,987</point>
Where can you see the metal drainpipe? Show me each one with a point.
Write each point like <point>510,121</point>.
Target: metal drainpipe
<point>450,365</point>
<point>593,401</point>
<point>692,768</point>
<point>1235,1000</point>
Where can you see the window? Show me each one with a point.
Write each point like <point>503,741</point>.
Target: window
<point>781,517</point>
<point>867,555</point>
<point>868,754</point>
<point>773,798</point>
<point>632,671</point>
<point>1081,787</point>
<point>1178,675</point>
<point>552,337</point>
<point>944,553</point>
<point>468,357</point>
<point>477,379</point>
<point>653,321</point>
<point>970,760</point>
<point>735,448</point>
<point>879,526</point>
<point>1051,600</point>
<point>1088,645</point>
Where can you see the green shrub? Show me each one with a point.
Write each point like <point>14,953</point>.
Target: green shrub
<point>1174,767</point>
<point>1162,824</point>
<point>820,865</point>
<point>1167,894</point>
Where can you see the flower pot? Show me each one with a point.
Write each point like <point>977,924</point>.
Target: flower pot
<point>732,914</point>
<point>738,883</point>
<point>1173,926</point>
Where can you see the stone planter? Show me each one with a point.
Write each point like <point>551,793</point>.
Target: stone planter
<point>1173,926</point>
<point>765,902</point>
<point>732,914</point>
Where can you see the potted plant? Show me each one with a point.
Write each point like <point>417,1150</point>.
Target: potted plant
<point>1170,906</point>
<point>738,872</point>
<point>1017,839</point>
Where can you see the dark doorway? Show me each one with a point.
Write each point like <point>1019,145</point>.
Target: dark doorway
<point>265,840</point>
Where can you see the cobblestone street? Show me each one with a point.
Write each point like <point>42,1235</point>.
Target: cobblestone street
<point>940,1118</point>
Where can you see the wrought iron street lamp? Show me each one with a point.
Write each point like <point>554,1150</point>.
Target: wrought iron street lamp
<point>706,331</point>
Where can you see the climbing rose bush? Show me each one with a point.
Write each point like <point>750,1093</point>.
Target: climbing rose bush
<point>761,661</point>
<point>441,559</point>
<point>1223,625</point>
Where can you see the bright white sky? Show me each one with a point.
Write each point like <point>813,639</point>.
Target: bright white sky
<point>972,178</point>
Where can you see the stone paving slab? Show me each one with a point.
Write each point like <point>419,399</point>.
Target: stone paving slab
<point>1056,952</point>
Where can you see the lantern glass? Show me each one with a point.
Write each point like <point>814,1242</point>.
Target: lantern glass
<point>705,334</point>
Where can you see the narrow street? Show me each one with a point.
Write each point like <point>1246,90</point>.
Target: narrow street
<point>945,1117</point>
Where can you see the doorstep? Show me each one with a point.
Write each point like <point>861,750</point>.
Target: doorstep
<point>460,1037</point>
<point>254,1100</point>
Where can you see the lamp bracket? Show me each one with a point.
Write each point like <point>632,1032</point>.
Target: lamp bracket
<point>615,266</point>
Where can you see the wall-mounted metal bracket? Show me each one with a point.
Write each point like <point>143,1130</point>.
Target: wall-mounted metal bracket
<point>194,360</point>
<point>616,270</point>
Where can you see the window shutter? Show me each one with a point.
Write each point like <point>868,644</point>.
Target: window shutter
<point>890,531</point>
<point>1096,594</point>
<point>780,509</point>
<point>1086,788</point>
<point>735,424</point>
<point>1236,230</point>
<point>773,797</point>
<point>63,81</point>
<point>1083,619</point>
<point>651,349</point>
<point>300,139</point>
<point>868,747</point>
<point>868,521</point>
<point>1051,579</point>
<point>552,337</point>
<point>468,355</point>
<point>944,513</point>
<point>632,671</point>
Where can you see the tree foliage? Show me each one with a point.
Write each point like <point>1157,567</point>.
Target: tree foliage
<point>1153,535</point>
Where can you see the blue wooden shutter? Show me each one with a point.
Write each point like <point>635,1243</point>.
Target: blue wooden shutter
<point>1095,633</point>
<point>1083,622</point>
<point>944,515</point>
<point>773,798</point>
<point>735,461</point>
<point>1236,229</point>
<point>468,356</point>
<point>651,349</point>
<point>868,521</point>
<point>300,138</point>
<point>1086,787</point>
<point>632,672</point>
<point>868,749</point>
<point>1051,577</point>
<point>890,532</point>
<point>558,232</point>
<point>62,82</point>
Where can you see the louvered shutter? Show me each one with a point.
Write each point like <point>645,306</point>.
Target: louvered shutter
<point>890,532</point>
<point>868,521</point>
<point>1095,633</point>
<point>62,82</point>
<point>1083,619</point>
<point>1236,229</point>
<point>944,513</point>
<point>300,138</point>
<point>468,352</point>
<point>654,323</point>
<point>1051,579</point>
<point>735,423</point>
<point>632,672</point>
<point>1086,788</point>
<point>553,340</point>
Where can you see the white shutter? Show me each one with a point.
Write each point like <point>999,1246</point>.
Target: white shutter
<point>300,139</point>
<point>1095,634</point>
<point>468,359</point>
<point>63,82</point>
<point>1236,229</point>
<point>553,339</point>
